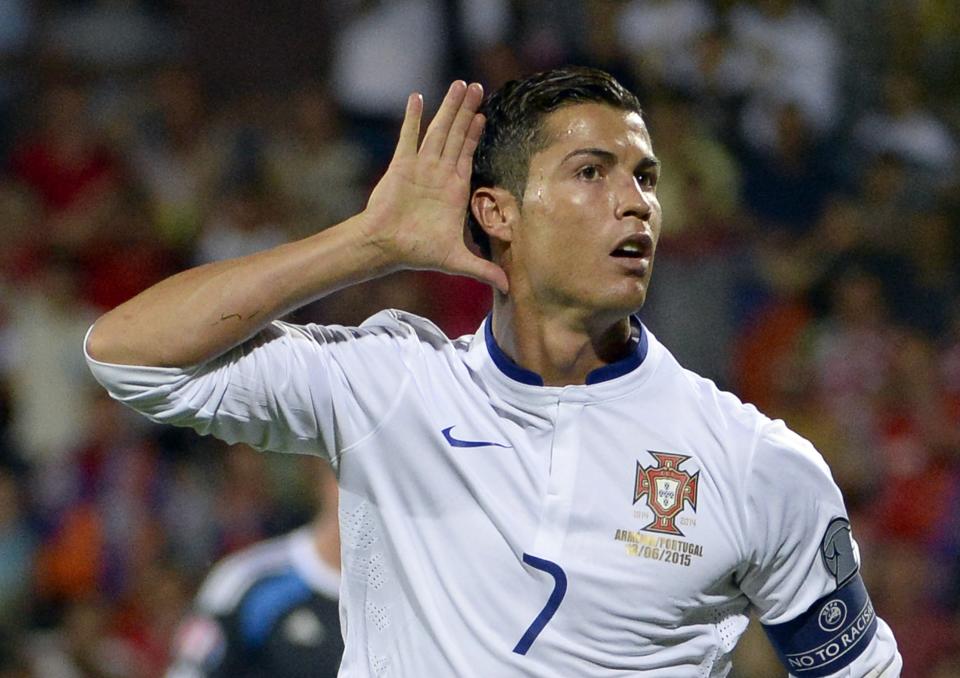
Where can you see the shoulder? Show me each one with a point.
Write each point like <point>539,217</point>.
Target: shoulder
<point>763,443</point>
<point>388,327</point>
<point>700,392</point>
<point>408,325</point>
<point>766,451</point>
<point>384,343</point>
<point>724,405</point>
<point>783,458</point>
<point>737,425</point>
<point>415,342</point>
<point>791,495</point>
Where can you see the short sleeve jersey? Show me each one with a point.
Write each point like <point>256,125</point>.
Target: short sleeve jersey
<point>493,526</point>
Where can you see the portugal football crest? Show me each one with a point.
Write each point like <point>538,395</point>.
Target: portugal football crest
<point>667,489</point>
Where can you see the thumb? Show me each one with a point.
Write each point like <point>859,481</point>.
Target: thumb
<point>472,266</point>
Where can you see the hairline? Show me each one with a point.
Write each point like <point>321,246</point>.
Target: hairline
<point>542,138</point>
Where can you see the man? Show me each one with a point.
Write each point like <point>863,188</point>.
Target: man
<point>270,609</point>
<point>554,495</point>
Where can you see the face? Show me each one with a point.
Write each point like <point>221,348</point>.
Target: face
<point>590,218</point>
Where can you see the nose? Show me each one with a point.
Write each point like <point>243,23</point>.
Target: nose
<point>633,200</point>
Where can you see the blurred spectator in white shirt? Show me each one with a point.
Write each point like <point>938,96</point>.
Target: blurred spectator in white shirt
<point>658,33</point>
<point>49,386</point>
<point>904,127</point>
<point>386,49</point>
<point>797,59</point>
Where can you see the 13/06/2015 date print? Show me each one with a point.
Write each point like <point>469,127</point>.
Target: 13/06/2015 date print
<point>665,549</point>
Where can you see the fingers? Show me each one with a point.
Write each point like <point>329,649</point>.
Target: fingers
<point>410,130</point>
<point>454,130</point>
<point>465,161</point>
<point>436,135</point>
<point>440,131</point>
<point>462,123</point>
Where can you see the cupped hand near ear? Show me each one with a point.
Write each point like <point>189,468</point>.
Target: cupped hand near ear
<point>416,211</point>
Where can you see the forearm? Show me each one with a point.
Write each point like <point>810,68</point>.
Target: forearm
<point>414,219</point>
<point>200,313</point>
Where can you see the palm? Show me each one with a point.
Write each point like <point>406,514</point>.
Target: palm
<point>419,205</point>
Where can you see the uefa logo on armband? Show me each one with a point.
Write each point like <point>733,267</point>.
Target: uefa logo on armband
<point>832,615</point>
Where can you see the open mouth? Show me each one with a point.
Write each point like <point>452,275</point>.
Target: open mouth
<point>630,251</point>
<point>637,246</point>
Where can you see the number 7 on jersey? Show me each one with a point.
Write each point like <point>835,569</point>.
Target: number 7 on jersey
<point>553,602</point>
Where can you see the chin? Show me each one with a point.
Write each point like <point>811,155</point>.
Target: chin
<point>622,303</point>
<point>633,297</point>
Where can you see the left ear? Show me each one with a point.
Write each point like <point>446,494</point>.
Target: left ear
<point>496,210</point>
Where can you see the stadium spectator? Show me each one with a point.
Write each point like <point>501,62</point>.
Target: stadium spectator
<point>309,163</point>
<point>68,164</point>
<point>787,181</point>
<point>658,33</point>
<point>271,609</point>
<point>797,60</point>
<point>116,38</point>
<point>904,127</point>
<point>17,32</point>
<point>179,157</point>
<point>83,645</point>
<point>383,51</point>
<point>44,378</point>
<point>698,266</point>
<point>245,219</point>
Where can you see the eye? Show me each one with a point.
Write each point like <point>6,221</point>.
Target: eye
<point>647,179</point>
<point>589,172</point>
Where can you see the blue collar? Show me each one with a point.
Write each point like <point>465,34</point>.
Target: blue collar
<point>612,371</point>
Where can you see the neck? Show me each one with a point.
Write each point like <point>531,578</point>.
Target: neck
<point>562,347</point>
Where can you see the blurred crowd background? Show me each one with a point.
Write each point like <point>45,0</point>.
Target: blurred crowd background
<point>809,261</point>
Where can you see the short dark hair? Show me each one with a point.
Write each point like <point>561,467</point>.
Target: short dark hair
<point>514,129</point>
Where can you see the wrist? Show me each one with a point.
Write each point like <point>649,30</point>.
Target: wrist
<point>374,243</point>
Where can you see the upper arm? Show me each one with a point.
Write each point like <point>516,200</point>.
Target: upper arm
<point>803,575</point>
<point>308,389</point>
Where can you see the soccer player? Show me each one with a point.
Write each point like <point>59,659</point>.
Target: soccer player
<point>271,609</point>
<point>553,495</point>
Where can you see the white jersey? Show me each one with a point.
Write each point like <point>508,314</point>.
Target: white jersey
<point>492,526</point>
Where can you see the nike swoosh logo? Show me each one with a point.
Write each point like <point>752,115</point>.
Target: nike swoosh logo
<point>456,442</point>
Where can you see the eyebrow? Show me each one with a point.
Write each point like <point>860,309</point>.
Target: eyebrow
<point>648,162</point>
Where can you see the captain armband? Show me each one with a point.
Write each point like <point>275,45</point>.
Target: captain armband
<point>836,629</point>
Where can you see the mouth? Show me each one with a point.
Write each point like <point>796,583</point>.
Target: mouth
<point>638,246</point>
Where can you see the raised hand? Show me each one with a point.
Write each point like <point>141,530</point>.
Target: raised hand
<point>417,210</point>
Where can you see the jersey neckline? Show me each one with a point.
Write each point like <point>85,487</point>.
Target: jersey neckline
<point>619,368</point>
